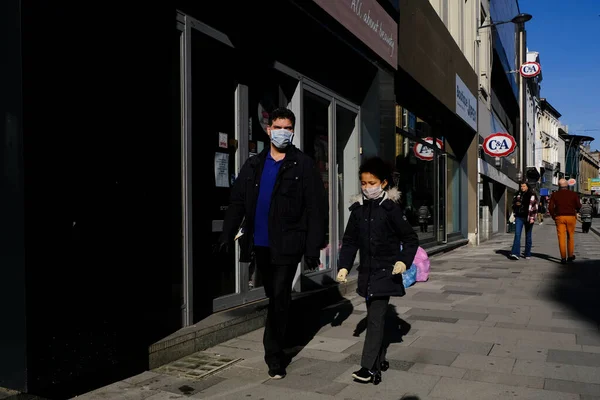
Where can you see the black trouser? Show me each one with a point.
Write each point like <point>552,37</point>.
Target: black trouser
<point>374,350</point>
<point>585,226</point>
<point>277,281</point>
<point>423,226</point>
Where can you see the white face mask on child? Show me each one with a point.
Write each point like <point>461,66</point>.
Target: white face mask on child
<point>373,192</point>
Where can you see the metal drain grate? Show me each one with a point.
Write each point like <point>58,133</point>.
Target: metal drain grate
<point>197,365</point>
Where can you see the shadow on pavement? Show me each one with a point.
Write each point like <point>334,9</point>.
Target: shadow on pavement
<point>309,314</point>
<point>546,257</point>
<point>577,286</point>
<point>395,328</point>
<point>505,253</point>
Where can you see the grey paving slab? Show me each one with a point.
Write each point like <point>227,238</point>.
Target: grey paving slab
<point>459,389</point>
<point>432,319</point>
<point>267,392</point>
<point>144,376</point>
<point>119,390</point>
<point>573,358</point>
<point>444,327</point>
<point>454,314</point>
<point>166,396</point>
<point>484,363</point>
<point>574,373</point>
<point>309,367</point>
<point>331,344</point>
<point>504,379</point>
<point>227,387</point>
<point>455,345</point>
<point>180,386</point>
<point>437,370</point>
<point>572,387</point>
<point>521,352</point>
<point>395,385</point>
<point>589,340</point>
<point>424,356</point>
<point>245,373</point>
<point>323,354</point>
<point>545,339</point>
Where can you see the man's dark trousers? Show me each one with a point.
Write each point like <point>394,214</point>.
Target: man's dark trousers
<point>277,282</point>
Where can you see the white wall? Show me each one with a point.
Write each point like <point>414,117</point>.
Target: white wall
<point>461,17</point>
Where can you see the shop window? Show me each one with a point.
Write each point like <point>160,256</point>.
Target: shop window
<point>415,178</point>
<point>453,188</point>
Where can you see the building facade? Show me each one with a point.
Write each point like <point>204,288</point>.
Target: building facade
<point>129,195</point>
<point>588,172</point>
<point>436,122</point>
<point>548,131</point>
<point>498,103</point>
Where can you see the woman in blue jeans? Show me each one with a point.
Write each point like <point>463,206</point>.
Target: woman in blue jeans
<point>525,206</point>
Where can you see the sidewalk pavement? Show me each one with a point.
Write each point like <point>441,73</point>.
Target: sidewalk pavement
<point>482,327</point>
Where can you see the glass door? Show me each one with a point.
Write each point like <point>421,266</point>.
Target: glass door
<point>442,198</point>
<point>316,128</point>
<point>330,134</point>
<point>347,153</point>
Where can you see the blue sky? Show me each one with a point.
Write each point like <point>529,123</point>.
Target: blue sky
<point>566,33</point>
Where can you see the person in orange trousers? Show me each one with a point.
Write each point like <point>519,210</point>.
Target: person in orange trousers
<point>563,208</point>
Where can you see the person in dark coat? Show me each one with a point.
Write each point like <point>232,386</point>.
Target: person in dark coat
<point>388,245</point>
<point>279,206</point>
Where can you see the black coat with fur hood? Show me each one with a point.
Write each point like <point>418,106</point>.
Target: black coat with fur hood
<point>377,228</point>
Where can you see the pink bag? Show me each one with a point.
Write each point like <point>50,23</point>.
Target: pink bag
<point>422,263</point>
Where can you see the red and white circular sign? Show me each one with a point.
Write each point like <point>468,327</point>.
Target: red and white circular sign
<point>499,144</point>
<point>572,182</point>
<point>425,153</point>
<point>530,69</point>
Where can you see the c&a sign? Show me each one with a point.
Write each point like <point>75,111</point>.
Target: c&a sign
<point>499,144</point>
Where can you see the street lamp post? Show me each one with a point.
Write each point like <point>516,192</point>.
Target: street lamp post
<point>521,50</point>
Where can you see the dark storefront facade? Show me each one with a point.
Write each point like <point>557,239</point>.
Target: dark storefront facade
<point>436,124</point>
<point>125,146</point>
<point>335,88</point>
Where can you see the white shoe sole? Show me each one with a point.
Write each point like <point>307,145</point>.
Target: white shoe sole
<point>358,378</point>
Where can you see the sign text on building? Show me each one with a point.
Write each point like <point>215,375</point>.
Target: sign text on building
<point>369,22</point>
<point>466,104</point>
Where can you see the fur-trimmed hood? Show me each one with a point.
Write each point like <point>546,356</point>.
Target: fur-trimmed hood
<point>392,194</point>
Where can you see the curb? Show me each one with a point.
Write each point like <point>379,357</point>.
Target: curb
<point>229,324</point>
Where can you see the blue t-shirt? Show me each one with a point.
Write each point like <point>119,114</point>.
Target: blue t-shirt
<point>267,183</point>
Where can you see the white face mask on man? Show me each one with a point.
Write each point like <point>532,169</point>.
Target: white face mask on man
<point>281,138</point>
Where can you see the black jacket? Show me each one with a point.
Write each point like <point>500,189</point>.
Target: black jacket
<point>524,198</point>
<point>298,214</point>
<point>378,228</point>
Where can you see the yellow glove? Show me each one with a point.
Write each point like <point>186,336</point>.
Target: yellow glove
<point>341,276</point>
<point>399,268</point>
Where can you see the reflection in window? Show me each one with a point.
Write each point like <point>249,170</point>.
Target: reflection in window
<point>415,180</point>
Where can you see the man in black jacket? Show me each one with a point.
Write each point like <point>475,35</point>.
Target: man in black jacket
<point>280,200</point>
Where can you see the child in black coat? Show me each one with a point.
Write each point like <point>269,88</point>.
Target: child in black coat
<point>388,245</point>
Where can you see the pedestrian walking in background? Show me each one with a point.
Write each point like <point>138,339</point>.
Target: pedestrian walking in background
<point>541,209</point>
<point>586,212</point>
<point>280,199</point>
<point>525,209</point>
<point>563,207</point>
<point>377,227</point>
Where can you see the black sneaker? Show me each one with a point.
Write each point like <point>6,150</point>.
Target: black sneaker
<point>385,365</point>
<point>563,260</point>
<point>571,259</point>
<point>363,375</point>
<point>376,378</point>
<point>514,257</point>
<point>277,373</point>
